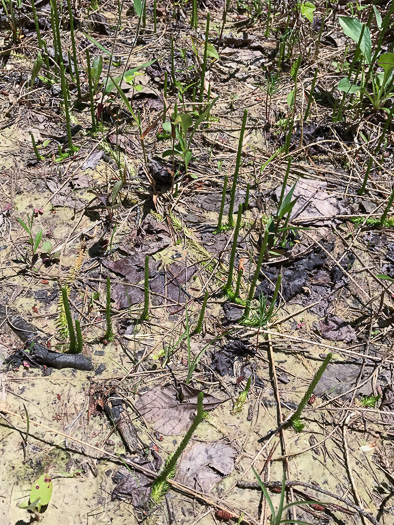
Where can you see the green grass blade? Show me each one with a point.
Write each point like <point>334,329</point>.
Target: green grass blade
<point>266,495</point>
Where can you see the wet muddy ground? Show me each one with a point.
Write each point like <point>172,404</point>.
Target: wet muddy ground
<point>103,423</point>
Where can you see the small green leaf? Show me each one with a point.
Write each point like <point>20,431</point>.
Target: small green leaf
<point>188,158</point>
<point>23,225</point>
<point>291,98</point>
<point>37,241</point>
<point>307,10</point>
<point>167,126</point>
<point>386,277</point>
<point>353,28</point>
<point>138,7</point>
<point>185,120</point>
<point>45,143</point>
<point>42,490</point>
<point>46,247</point>
<point>378,17</point>
<point>115,191</point>
<point>110,86</point>
<point>97,44</point>
<point>211,51</point>
<point>386,61</point>
<point>346,86</point>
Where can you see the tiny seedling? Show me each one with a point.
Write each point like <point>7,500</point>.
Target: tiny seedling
<point>265,310</point>
<point>40,495</point>
<point>36,69</point>
<point>316,378</point>
<point>34,241</point>
<point>241,399</point>
<point>182,128</point>
<point>298,425</point>
<point>370,401</point>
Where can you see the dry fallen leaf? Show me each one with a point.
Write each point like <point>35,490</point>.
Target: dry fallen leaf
<point>204,464</point>
<point>162,408</point>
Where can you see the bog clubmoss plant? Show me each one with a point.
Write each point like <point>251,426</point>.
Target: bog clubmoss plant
<point>66,102</point>
<point>237,167</point>
<point>73,349</point>
<point>109,334</point>
<point>74,47</point>
<point>257,270</point>
<point>57,42</point>
<point>246,203</point>
<point>310,98</point>
<point>76,342</point>
<point>36,152</point>
<point>194,17</point>
<point>295,418</point>
<point>219,227</point>
<point>160,485</point>
<point>198,328</point>
<point>227,286</point>
<point>145,312</point>
<point>238,286</point>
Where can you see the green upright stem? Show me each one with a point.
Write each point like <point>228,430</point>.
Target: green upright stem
<point>237,167</point>
<point>66,107</point>
<point>67,311</point>
<point>219,226</point>
<point>310,390</point>
<point>56,30</point>
<point>238,285</point>
<point>91,94</point>
<point>257,271</point>
<point>202,313</point>
<point>159,486</point>
<point>388,207</point>
<point>227,286</point>
<point>33,7</point>
<point>79,336</point>
<point>74,48</point>
<point>308,107</point>
<point>204,64</point>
